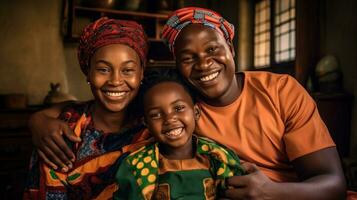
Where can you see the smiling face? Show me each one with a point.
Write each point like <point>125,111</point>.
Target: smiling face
<point>205,60</point>
<point>115,74</point>
<point>170,115</point>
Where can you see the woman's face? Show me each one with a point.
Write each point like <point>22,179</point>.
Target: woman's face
<point>205,60</point>
<point>115,74</point>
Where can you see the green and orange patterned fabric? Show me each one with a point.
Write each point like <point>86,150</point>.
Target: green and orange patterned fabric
<point>146,174</point>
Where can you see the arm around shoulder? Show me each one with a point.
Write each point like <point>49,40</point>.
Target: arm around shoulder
<point>47,136</point>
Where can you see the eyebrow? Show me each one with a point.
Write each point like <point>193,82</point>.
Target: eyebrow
<point>108,63</point>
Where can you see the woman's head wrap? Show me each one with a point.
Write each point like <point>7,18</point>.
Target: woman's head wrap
<point>106,31</point>
<point>194,15</point>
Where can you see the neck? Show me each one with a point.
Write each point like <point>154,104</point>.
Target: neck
<point>186,151</point>
<point>232,93</point>
<point>108,122</point>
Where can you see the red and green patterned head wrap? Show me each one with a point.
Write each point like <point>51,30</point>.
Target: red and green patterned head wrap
<point>194,15</point>
<point>106,31</point>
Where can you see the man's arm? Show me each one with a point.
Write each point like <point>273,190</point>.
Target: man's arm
<point>47,136</point>
<point>320,173</point>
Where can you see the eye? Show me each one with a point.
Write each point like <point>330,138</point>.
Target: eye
<point>179,108</point>
<point>154,115</point>
<point>102,70</point>
<point>128,71</point>
<point>212,49</point>
<point>187,59</point>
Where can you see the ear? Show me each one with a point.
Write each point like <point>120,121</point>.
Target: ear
<point>231,47</point>
<point>197,111</point>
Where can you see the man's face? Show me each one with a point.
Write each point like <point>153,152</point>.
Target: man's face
<point>205,60</point>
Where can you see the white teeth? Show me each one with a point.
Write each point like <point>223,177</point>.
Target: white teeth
<point>209,77</point>
<point>115,94</point>
<point>174,132</point>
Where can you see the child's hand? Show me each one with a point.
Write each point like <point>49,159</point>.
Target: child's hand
<point>47,136</point>
<point>254,185</point>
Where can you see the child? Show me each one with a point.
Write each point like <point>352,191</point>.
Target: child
<point>178,160</point>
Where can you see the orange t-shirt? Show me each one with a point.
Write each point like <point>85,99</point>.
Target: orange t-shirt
<point>272,122</point>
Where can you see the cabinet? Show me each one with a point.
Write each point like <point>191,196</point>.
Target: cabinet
<point>77,15</point>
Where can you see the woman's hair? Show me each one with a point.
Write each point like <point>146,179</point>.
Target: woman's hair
<point>106,31</point>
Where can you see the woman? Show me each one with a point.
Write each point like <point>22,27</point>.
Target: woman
<point>112,56</point>
<point>267,119</point>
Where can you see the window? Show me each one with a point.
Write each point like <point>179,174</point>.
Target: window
<point>274,33</point>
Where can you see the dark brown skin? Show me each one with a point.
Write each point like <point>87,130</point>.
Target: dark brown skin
<point>168,107</point>
<point>48,137</point>
<point>115,74</point>
<point>320,172</point>
<point>201,51</point>
<point>320,179</point>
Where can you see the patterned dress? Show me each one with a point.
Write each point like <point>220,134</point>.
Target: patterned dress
<point>146,174</point>
<point>98,156</point>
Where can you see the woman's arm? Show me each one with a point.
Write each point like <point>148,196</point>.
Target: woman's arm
<point>320,173</point>
<point>47,136</point>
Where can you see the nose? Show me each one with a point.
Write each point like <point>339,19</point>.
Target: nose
<point>203,62</point>
<point>170,117</point>
<point>115,79</point>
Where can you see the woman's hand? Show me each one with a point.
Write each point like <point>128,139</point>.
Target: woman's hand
<point>47,136</point>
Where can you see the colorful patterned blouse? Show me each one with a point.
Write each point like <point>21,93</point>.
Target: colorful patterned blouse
<point>98,156</point>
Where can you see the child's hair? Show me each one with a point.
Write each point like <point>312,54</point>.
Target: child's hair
<point>156,76</point>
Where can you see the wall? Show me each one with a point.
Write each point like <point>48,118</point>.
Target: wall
<point>32,53</point>
<point>340,35</point>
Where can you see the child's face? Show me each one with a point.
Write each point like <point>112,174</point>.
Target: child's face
<point>115,74</point>
<point>205,59</point>
<point>170,114</point>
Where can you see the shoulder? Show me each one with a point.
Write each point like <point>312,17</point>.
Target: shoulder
<point>73,110</point>
<point>267,78</point>
<point>144,154</point>
<point>208,146</point>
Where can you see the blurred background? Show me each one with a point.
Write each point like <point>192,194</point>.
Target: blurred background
<point>313,40</point>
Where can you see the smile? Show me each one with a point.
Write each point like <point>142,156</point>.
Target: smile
<point>115,94</point>
<point>209,77</point>
<point>174,132</point>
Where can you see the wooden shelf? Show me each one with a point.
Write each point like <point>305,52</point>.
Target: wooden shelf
<point>76,17</point>
<point>123,12</point>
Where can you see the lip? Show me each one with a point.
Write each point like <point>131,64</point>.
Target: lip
<point>115,94</point>
<point>173,133</point>
<point>206,83</point>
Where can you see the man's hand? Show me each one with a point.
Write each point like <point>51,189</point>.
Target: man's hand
<point>254,185</point>
<point>47,136</point>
